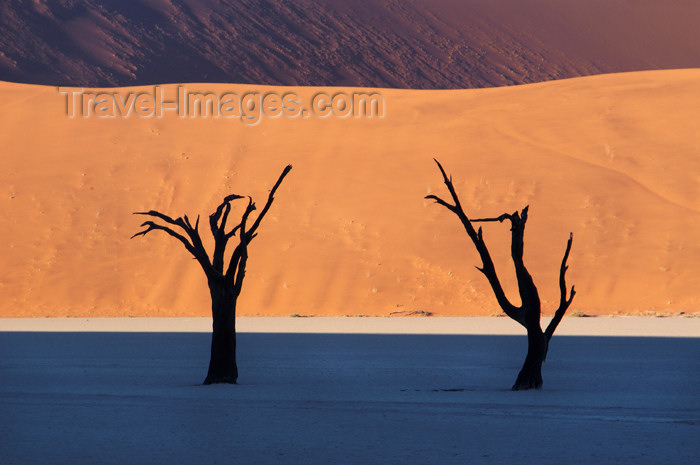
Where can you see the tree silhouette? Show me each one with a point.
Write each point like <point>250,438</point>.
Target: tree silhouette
<point>528,314</point>
<point>225,282</point>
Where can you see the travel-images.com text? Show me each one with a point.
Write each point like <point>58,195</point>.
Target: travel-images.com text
<point>249,107</point>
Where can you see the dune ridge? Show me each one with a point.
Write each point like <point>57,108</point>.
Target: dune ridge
<point>613,158</point>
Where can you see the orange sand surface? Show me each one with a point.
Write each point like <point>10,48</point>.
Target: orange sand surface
<point>613,158</point>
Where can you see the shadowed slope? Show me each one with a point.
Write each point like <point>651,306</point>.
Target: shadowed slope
<point>375,43</point>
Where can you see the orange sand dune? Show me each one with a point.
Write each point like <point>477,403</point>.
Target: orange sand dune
<point>613,158</point>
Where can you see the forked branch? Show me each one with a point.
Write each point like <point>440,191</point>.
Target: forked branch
<point>193,244</point>
<point>155,226</point>
<point>487,268</point>
<point>236,265</point>
<point>217,223</point>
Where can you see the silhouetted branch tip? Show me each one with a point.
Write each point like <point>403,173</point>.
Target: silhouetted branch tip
<point>438,200</point>
<point>232,197</point>
<point>500,219</point>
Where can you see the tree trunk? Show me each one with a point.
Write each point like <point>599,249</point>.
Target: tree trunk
<point>222,364</point>
<point>224,282</point>
<point>530,376</point>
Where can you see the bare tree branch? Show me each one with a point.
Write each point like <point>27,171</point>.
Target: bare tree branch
<point>450,187</point>
<point>487,268</point>
<point>158,214</point>
<point>214,219</point>
<point>194,245</point>
<point>241,249</point>
<point>217,223</point>
<point>224,217</point>
<point>218,230</point>
<point>222,212</point>
<point>500,219</point>
<point>526,286</point>
<point>240,273</point>
<point>155,226</point>
<point>270,199</point>
<point>564,303</point>
<point>437,199</point>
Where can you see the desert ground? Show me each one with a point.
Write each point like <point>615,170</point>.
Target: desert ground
<point>612,158</point>
<point>632,326</point>
<point>325,390</point>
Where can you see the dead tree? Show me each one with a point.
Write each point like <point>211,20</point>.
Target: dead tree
<point>225,280</point>
<point>528,314</point>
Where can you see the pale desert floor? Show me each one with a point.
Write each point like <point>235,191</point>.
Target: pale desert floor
<point>325,391</point>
